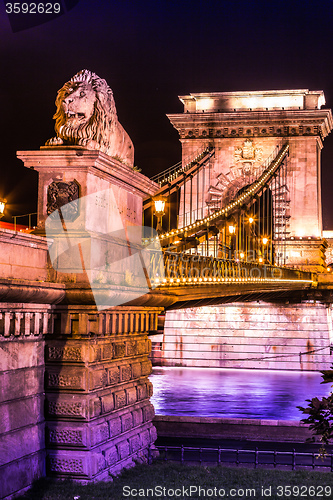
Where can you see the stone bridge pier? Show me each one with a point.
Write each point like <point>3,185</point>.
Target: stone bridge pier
<point>98,414</point>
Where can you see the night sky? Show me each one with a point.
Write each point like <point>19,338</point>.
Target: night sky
<point>149,52</point>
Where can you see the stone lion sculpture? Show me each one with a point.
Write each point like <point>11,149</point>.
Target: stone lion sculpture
<point>86,116</point>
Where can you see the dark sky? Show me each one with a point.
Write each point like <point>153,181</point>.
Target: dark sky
<point>149,52</point>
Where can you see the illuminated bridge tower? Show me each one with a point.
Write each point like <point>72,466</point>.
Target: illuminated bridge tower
<point>245,129</point>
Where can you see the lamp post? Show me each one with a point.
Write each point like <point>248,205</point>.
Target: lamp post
<point>232,233</point>
<point>251,243</point>
<point>159,204</point>
<point>264,252</point>
<point>2,207</point>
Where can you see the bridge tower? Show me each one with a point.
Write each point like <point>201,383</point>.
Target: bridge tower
<point>245,128</point>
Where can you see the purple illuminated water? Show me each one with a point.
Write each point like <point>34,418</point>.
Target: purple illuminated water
<point>210,392</point>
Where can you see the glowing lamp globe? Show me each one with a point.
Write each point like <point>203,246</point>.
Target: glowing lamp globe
<point>2,207</point>
<point>159,204</point>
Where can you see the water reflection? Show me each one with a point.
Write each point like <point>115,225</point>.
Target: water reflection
<point>209,392</point>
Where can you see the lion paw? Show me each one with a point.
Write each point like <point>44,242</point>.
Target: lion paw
<point>55,141</point>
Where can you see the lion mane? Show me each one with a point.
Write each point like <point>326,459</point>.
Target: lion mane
<point>102,131</point>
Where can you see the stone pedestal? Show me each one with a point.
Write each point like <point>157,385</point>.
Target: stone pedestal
<point>74,171</point>
<point>100,216</point>
<point>99,418</point>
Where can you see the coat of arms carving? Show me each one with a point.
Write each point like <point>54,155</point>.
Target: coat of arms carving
<point>63,193</point>
<point>248,155</point>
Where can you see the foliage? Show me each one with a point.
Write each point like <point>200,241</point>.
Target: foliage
<point>320,414</point>
<point>135,168</point>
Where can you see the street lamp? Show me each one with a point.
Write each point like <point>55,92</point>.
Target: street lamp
<point>232,238</point>
<point>266,249</point>
<point>2,207</point>
<point>159,204</point>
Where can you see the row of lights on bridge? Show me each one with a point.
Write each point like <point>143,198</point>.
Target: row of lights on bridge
<point>176,173</point>
<point>160,207</point>
<point>159,212</point>
<point>198,281</point>
<point>238,201</point>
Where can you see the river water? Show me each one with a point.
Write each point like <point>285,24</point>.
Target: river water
<point>210,392</point>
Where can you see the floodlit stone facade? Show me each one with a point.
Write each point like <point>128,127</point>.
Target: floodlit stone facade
<point>245,129</point>
<point>256,335</point>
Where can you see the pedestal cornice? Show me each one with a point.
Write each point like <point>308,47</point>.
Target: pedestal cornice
<point>33,292</point>
<point>84,160</point>
<point>279,123</point>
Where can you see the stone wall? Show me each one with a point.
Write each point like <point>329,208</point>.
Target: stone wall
<point>22,427</point>
<point>22,256</point>
<point>247,335</point>
<point>249,429</point>
<point>99,418</point>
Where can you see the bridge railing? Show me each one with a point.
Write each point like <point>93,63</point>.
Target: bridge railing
<point>184,268</point>
<point>273,458</point>
<point>176,170</point>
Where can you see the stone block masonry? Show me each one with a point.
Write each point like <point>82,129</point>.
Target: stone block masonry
<point>251,429</point>
<point>22,256</point>
<point>248,335</point>
<point>99,418</point>
<point>245,128</point>
<point>22,427</point>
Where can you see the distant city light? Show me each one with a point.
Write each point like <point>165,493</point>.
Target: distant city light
<point>2,207</point>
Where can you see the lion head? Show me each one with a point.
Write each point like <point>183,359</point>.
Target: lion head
<point>86,116</point>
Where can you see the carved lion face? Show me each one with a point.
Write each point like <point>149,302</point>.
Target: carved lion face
<point>86,116</point>
<point>85,112</point>
<point>78,105</point>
